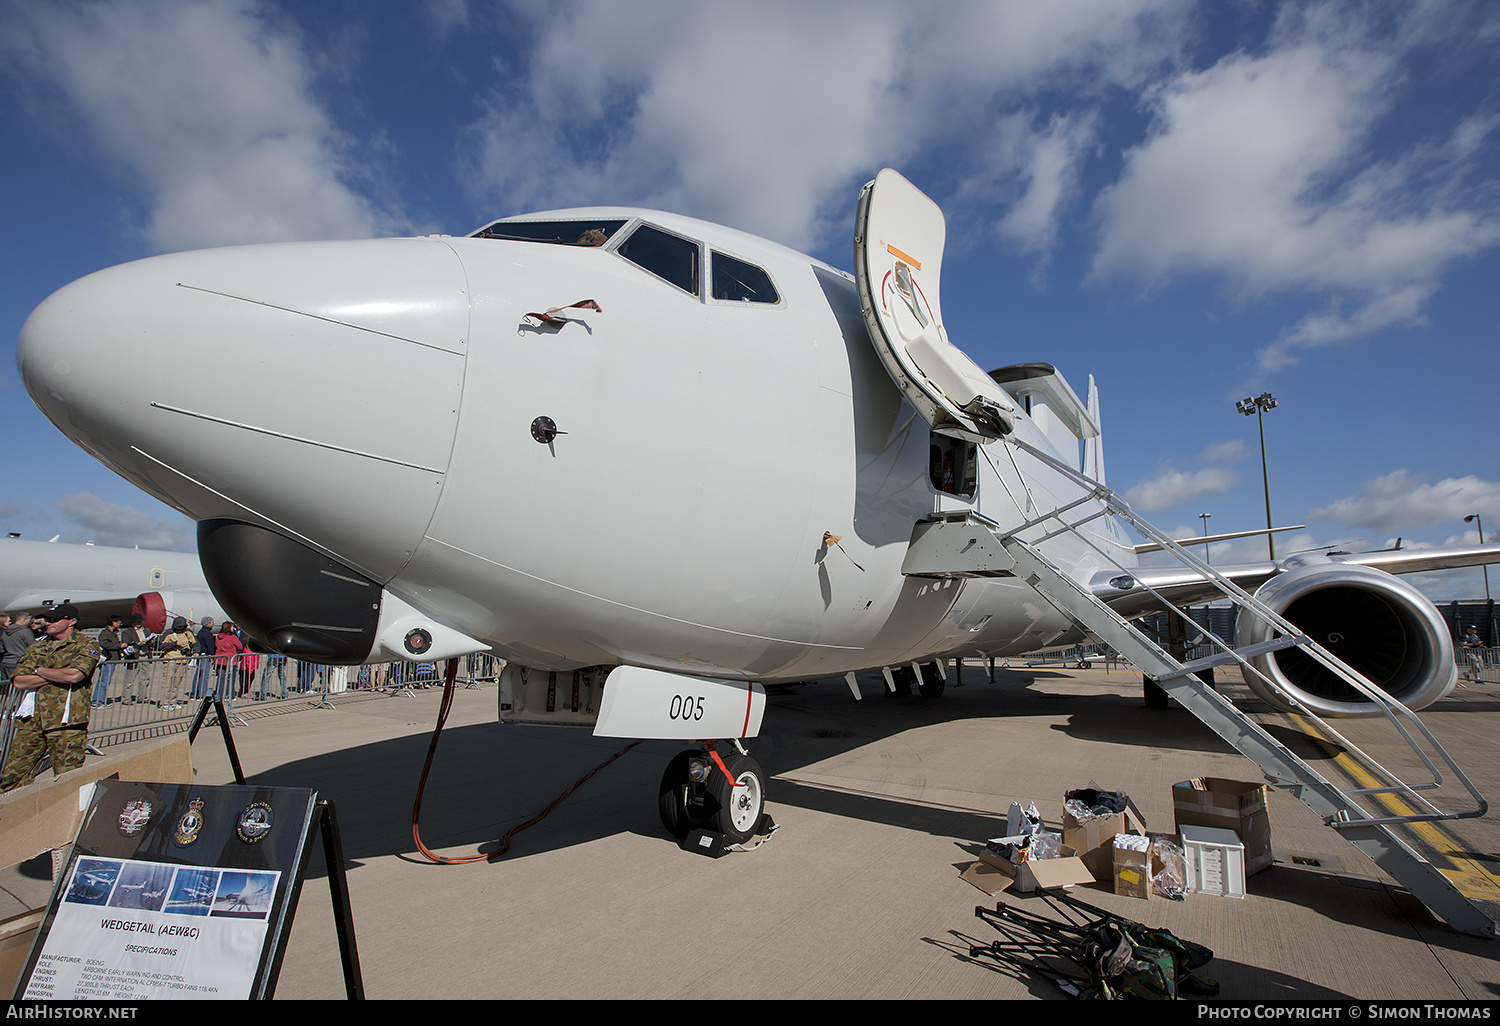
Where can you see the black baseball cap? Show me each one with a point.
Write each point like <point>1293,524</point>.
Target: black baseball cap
<point>65,611</point>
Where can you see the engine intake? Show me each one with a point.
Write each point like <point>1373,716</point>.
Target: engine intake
<point>1376,623</point>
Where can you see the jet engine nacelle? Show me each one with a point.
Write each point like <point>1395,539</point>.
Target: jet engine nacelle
<point>1376,623</point>
<point>159,608</point>
<point>152,608</point>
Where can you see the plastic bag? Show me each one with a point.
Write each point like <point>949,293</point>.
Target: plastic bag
<point>1016,850</point>
<point>1169,868</point>
<point>1022,821</point>
<point>1088,804</point>
<point>1045,845</point>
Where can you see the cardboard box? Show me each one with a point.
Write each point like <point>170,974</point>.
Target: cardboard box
<point>44,815</point>
<point>1046,874</point>
<point>993,852</point>
<point>1236,805</point>
<point>987,878</point>
<point>1095,840</point>
<point>1031,875</point>
<point>1132,872</point>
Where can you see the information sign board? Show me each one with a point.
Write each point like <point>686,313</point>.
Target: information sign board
<point>174,891</point>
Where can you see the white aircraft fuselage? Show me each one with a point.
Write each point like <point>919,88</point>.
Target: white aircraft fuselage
<point>104,580</point>
<point>608,439</point>
<point>374,401</point>
<point>672,458</point>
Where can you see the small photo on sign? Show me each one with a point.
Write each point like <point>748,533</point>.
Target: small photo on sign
<point>192,892</point>
<point>93,879</point>
<point>245,895</point>
<point>142,885</point>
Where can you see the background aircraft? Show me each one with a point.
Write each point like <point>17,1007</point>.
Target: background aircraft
<point>102,580</point>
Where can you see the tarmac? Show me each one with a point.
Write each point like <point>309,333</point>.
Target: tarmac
<point>881,805</point>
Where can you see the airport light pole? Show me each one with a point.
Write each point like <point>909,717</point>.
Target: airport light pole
<point>1475,518</point>
<point>1258,405</point>
<point>1206,557</point>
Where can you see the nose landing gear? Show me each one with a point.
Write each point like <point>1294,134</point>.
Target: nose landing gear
<point>702,790</point>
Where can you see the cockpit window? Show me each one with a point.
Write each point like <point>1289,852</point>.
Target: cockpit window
<point>736,280</point>
<point>670,257</point>
<point>559,233</point>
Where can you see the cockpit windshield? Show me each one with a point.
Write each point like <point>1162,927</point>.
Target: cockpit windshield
<point>736,280</point>
<point>558,233</point>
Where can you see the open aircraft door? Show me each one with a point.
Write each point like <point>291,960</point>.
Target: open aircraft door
<point>898,258</point>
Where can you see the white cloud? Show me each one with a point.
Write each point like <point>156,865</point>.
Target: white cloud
<point>1222,181</point>
<point>1464,584</point>
<point>106,523</point>
<point>1258,168</point>
<point>1238,551</point>
<point>446,16</point>
<point>767,117</point>
<point>210,104</point>
<point>693,114</point>
<point>1223,452</point>
<point>1171,487</point>
<point>1044,165</point>
<point>1332,326</point>
<point>1401,502</point>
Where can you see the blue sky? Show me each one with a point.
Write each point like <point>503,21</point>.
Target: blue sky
<point>1194,202</point>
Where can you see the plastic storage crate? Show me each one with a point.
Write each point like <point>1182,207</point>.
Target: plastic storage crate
<point>1215,861</point>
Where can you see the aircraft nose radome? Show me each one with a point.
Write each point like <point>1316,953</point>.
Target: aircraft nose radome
<point>65,359</point>
<point>280,384</point>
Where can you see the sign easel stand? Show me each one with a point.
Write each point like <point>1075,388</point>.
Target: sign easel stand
<point>333,855</point>
<point>343,914</point>
<point>222,715</point>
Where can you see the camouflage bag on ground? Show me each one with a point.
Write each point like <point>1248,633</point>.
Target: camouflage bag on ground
<point>1121,967</point>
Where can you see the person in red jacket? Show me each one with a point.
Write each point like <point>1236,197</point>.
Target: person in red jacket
<point>227,648</point>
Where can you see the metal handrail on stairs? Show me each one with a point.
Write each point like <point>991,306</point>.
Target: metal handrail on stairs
<point>1393,709</point>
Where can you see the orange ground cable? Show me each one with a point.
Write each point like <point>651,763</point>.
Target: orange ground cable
<point>449,679</point>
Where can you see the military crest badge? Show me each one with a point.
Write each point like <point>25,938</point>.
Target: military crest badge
<point>189,825</point>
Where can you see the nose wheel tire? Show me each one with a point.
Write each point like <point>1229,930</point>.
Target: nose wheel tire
<point>677,814</point>
<point>740,806</point>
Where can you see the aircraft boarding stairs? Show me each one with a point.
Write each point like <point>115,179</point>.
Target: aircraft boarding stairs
<point>1371,832</point>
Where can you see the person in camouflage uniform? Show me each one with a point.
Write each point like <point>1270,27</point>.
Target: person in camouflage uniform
<point>57,671</point>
